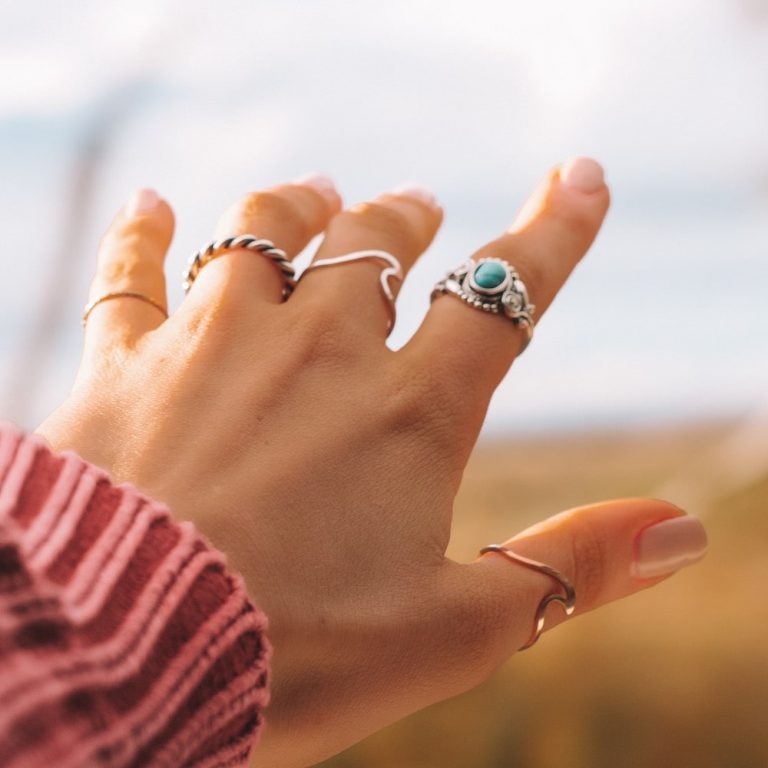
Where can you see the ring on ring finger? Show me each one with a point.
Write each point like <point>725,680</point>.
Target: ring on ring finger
<point>251,243</point>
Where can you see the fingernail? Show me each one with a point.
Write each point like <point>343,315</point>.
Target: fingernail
<point>142,201</point>
<point>323,184</point>
<point>582,173</point>
<point>669,546</point>
<point>417,192</point>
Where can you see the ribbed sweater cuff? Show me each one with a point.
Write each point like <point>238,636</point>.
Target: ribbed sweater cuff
<point>124,638</point>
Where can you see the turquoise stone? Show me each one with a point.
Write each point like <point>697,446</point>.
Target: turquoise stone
<point>490,274</point>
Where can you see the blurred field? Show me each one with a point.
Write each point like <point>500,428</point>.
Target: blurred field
<point>676,676</point>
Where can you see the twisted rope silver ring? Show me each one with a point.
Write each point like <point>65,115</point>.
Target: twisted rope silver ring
<point>250,243</point>
<point>392,270</point>
<point>491,285</point>
<point>566,600</point>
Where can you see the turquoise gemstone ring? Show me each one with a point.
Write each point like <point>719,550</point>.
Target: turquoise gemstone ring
<point>491,285</point>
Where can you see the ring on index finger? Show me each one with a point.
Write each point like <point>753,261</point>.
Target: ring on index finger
<point>491,285</point>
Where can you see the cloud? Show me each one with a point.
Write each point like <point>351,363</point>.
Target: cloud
<point>474,99</point>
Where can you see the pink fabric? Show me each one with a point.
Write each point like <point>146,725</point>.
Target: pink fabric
<point>124,638</point>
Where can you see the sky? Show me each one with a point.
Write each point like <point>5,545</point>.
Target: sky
<point>664,321</point>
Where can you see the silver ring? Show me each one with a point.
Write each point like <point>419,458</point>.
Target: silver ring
<point>250,243</point>
<point>566,600</point>
<point>491,285</point>
<point>392,270</point>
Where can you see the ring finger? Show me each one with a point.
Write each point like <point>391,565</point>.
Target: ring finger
<point>402,223</point>
<point>289,215</point>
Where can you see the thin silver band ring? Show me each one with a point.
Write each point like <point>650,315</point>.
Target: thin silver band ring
<point>393,270</point>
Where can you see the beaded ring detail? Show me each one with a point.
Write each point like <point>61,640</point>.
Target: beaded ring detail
<point>490,285</point>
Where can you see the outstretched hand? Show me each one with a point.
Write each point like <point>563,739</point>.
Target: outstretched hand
<point>325,464</point>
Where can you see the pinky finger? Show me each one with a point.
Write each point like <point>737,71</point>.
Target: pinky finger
<point>128,296</point>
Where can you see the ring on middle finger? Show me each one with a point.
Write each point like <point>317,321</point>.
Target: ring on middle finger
<point>491,285</point>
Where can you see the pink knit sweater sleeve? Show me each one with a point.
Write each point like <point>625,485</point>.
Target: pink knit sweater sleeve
<point>124,638</point>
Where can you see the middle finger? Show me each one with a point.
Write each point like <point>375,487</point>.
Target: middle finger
<point>289,215</point>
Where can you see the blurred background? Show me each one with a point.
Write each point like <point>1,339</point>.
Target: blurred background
<point>648,377</point>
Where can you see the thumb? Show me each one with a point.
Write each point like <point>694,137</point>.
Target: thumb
<point>607,551</point>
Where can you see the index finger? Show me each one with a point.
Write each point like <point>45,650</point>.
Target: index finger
<point>473,349</point>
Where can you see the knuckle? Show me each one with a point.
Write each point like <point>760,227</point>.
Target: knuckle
<point>573,214</point>
<point>150,235</point>
<point>270,206</point>
<point>579,220</point>
<point>388,227</point>
<point>588,564</point>
<point>125,266</point>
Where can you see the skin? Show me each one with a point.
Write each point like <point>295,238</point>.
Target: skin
<point>324,464</point>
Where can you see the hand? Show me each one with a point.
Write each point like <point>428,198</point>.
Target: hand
<point>325,465</point>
